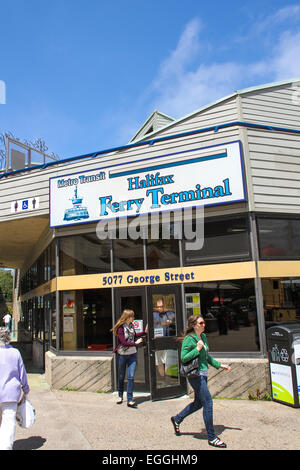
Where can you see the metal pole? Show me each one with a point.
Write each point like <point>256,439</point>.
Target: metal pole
<point>57,296</point>
<point>258,285</point>
<point>6,153</point>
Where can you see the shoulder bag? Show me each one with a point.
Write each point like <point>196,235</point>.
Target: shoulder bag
<point>190,368</point>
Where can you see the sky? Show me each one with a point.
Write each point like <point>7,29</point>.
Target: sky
<point>84,75</point>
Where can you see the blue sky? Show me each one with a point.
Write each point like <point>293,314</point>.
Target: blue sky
<point>85,75</point>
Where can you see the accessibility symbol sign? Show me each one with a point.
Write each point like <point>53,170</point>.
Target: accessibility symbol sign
<point>25,205</point>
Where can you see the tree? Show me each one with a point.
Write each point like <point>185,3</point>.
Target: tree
<point>6,286</point>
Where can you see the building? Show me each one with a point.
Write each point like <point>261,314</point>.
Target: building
<point>230,170</point>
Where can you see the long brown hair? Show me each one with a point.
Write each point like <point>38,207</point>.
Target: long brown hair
<point>191,322</point>
<point>127,313</point>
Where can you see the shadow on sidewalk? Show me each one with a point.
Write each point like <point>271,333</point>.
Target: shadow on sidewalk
<point>32,443</point>
<point>219,429</point>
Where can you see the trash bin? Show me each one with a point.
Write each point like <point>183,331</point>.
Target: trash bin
<point>284,359</point>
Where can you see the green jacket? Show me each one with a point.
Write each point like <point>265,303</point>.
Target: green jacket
<point>189,351</point>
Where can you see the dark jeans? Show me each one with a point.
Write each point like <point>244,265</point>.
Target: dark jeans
<point>130,361</point>
<point>202,398</point>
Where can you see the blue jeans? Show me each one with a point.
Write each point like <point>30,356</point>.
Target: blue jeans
<point>202,398</point>
<point>130,361</point>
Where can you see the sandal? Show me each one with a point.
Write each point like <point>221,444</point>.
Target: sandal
<point>176,426</point>
<point>132,404</point>
<point>217,443</point>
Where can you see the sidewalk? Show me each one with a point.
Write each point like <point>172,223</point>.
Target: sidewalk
<point>68,420</point>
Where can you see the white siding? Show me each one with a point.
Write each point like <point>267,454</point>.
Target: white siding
<point>279,106</point>
<point>275,170</point>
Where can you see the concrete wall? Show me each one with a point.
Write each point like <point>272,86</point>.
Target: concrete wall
<point>82,373</point>
<point>246,375</point>
<point>94,374</point>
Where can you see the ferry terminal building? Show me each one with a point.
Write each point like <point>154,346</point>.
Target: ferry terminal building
<point>231,169</point>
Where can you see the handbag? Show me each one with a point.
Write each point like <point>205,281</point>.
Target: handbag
<point>190,368</point>
<point>25,415</point>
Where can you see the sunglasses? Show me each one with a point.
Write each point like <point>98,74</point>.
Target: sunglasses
<point>201,323</point>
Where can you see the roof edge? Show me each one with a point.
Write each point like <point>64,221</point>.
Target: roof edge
<point>220,100</point>
<point>148,121</point>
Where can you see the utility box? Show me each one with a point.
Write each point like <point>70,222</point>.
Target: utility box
<point>284,360</point>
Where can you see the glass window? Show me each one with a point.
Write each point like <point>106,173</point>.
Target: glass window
<point>224,240</point>
<point>128,255</point>
<point>164,315</point>
<point>281,300</point>
<point>53,320</point>
<point>86,320</point>
<point>38,318</point>
<point>229,310</point>
<point>167,366</point>
<point>279,238</point>
<point>162,252</point>
<point>84,254</point>
<point>52,260</point>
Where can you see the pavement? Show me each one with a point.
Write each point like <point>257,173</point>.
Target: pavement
<point>72,420</point>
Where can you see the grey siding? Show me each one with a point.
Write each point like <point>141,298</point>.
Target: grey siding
<point>279,106</point>
<point>36,182</point>
<point>219,113</point>
<point>275,171</point>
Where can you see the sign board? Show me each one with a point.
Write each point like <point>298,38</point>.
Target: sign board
<point>68,324</point>
<point>297,365</point>
<point>282,385</point>
<point>25,205</point>
<point>138,325</point>
<point>191,178</point>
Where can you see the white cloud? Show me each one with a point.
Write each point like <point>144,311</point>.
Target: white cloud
<point>183,86</point>
<point>286,60</point>
<point>188,46</point>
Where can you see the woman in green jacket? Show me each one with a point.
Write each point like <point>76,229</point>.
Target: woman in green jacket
<point>195,344</point>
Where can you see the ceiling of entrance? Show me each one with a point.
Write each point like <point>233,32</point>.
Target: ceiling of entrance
<point>17,239</point>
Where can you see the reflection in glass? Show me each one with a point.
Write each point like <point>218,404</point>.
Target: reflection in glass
<point>224,239</point>
<point>128,255</point>
<point>166,361</point>
<point>164,317</point>
<point>84,254</point>
<point>281,300</point>
<point>162,252</point>
<point>94,320</point>
<point>229,310</point>
<point>279,238</point>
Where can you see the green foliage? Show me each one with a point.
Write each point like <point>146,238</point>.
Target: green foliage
<point>258,395</point>
<point>6,286</point>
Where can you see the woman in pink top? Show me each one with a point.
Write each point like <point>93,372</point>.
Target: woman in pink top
<point>13,380</point>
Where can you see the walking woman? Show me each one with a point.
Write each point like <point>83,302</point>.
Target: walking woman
<point>195,344</point>
<point>13,380</point>
<point>126,351</point>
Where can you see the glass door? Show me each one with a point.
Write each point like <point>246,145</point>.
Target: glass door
<point>165,325</point>
<point>135,299</point>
